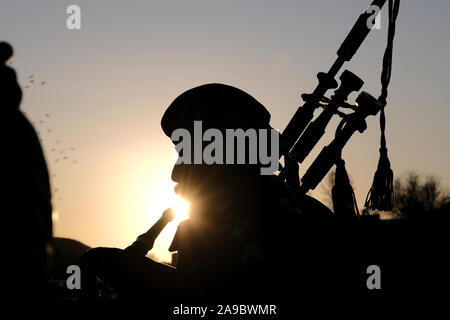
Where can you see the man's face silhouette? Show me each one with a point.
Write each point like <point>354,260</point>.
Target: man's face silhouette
<point>195,180</point>
<point>205,187</point>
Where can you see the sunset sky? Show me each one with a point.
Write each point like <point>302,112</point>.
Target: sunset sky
<point>108,84</point>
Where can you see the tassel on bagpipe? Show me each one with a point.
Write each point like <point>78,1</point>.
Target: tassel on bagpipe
<point>381,194</point>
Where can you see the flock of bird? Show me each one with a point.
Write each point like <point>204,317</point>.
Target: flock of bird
<point>58,153</point>
<point>31,81</point>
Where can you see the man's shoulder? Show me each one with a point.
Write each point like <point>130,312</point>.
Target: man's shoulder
<point>15,119</point>
<point>17,129</point>
<point>7,71</point>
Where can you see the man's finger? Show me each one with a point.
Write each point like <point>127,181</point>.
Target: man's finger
<point>169,214</point>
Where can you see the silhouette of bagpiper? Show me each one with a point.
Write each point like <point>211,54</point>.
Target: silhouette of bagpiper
<point>262,238</point>
<point>235,234</point>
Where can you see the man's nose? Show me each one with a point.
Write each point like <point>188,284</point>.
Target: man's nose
<point>184,172</point>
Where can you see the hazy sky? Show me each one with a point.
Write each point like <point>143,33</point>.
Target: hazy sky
<point>108,84</point>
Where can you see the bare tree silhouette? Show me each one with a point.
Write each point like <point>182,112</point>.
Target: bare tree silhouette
<point>417,196</point>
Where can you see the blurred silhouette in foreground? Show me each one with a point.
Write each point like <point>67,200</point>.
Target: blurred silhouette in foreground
<point>26,204</point>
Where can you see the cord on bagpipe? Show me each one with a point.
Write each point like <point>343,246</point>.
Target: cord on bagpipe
<point>381,194</point>
<point>344,199</point>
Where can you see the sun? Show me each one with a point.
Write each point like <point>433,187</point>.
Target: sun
<point>164,198</point>
<point>157,200</point>
<point>180,208</point>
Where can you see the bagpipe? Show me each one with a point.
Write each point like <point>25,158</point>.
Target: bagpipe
<point>303,133</point>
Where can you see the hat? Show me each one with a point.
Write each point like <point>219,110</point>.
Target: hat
<point>218,106</point>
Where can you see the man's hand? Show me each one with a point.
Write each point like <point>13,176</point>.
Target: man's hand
<point>144,242</point>
<point>168,215</point>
